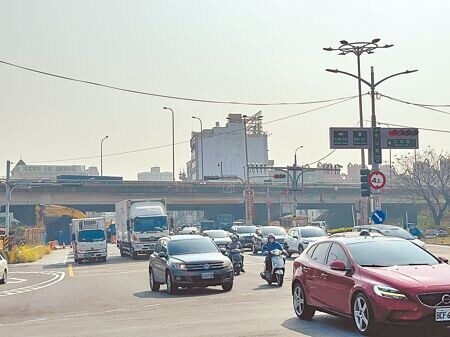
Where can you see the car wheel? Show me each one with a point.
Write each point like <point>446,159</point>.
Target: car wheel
<point>362,315</point>
<point>300,249</point>
<point>302,309</point>
<point>171,288</point>
<point>154,286</point>
<point>227,286</point>
<point>4,279</point>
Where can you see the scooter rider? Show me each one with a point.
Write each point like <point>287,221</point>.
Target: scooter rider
<point>270,245</point>
<point>236,244</point>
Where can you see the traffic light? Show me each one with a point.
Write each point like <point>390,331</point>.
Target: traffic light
<point>279,176</point>
<point>365,188</point>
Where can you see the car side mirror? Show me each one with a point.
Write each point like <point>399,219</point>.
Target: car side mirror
<point>128,225</point>
<point>162,254</point>
<point>416,237</point>
<point>223,251</point>
<point>73,237</point>
<point>338,265</point>
<point>443,259</point>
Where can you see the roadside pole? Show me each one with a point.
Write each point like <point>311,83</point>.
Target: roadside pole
<point>376,144</point>
<point>8,201</point>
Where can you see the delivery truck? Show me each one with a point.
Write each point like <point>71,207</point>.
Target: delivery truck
<point>140,223</point>
<point>89,239</point>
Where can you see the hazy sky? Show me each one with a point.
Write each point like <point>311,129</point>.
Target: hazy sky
<point>254,51</point>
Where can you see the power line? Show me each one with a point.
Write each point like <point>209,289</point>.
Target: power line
<point>411,127</point>
<point>188,141</point>
<point>423,106</point>
<point>168,96</point>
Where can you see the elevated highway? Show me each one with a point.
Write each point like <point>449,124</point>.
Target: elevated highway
<point>213,197</point>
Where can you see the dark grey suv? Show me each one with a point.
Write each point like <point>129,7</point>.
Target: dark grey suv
<point>189,261</point>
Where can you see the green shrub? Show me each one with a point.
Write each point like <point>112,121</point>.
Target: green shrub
<point>340,230</point>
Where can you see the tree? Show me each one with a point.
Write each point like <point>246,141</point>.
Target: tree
<point>427,176</point>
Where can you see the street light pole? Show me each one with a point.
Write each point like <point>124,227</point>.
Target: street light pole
<point>201,143</point>
<point>101,154</point>
<point>173,142</point>
<point>248,219</point>
<point>358,48</point>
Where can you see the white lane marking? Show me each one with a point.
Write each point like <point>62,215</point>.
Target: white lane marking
<point>14,280</point>
<point>152,305</point>
<point>245,294</point>
<point>185,301</point>
<point>113,310</point>
<point>78,315</point>
<point>35,320</point>
<point>67,256</point>
<point>57,277</point>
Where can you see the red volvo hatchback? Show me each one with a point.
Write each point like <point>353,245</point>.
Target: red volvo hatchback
<point>372,280</point>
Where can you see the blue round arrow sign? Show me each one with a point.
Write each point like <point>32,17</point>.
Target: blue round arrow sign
<point>378,217</point>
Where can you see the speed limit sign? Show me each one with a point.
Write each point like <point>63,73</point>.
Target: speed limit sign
<point>376,179</point>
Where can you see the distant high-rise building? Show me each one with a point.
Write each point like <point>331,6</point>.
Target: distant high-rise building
<point>155,174</point>
<point>224,149</point>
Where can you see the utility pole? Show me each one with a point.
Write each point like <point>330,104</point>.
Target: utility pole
<point>8,200</point>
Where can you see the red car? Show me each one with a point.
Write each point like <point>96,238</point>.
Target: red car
<point>372,280</point>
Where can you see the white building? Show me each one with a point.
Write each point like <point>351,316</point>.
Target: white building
<point>155,174</point>
<point>224,149</point>
<point>49,172</point>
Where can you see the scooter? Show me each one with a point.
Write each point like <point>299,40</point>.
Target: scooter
<point>236,259</point>
<point>277,272</point>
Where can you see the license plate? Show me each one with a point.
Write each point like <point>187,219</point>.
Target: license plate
<point>207,276</point>
<point>442,314</point>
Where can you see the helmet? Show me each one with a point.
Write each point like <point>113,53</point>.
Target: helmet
<point>270,236</point>
<point>234,238</point>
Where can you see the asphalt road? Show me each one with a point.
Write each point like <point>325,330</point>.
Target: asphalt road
<point>56,297</point>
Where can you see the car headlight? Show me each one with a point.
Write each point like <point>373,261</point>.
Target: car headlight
<point>226,264</point>
<point>81,251</point>
<point>180,266</point>
<point>389,292</point>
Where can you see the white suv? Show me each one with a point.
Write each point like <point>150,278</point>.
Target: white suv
<point>3,270</point>
<point>299,238</point>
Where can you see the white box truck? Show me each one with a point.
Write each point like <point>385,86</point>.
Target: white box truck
<point>140,223</point>
<point>89,239</point>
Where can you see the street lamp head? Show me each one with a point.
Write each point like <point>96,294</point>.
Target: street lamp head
<point>343,42</point>
<point>342,53</point>
<point>328,49</point>
<point>332,70</point>
<point>375,41</point>
<point>106,137</point>
<point>388,45</point>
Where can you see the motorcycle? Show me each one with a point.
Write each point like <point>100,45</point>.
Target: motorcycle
<point>276,274</point>
<point>236,259</point>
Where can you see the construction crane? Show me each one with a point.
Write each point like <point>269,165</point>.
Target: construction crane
<point>43,211</point>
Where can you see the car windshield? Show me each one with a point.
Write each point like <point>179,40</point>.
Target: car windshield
<point>148,225</point>
<point>387,253</point>
<point>311,232</point>
<point>91,235</point>
<point>217,234</point>
<point>192,246</point>
<point>274,230</point>
<point>246,229</point>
